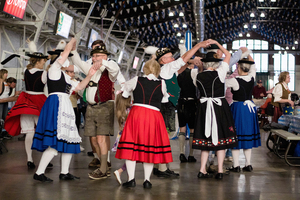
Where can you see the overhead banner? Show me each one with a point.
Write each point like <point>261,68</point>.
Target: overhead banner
<point>188,40</point>
<point>15,8</point>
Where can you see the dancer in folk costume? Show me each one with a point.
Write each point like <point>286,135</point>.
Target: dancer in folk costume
<point>244,112</point>
<point>24,115</point>
<point>214,129</point>
<point>56,129</point>
<point>145,138</point>
<point>122,110</point>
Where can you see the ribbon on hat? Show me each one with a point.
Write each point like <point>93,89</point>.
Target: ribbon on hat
<point>250,105</point>
<point>211,127</point>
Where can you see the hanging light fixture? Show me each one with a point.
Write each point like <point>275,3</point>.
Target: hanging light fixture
<point>181,14</point>
<point>262,14</point>
<point>240,35</point>
<point>245,26</point>
<point>293,48</point>
<point>296,42</point>
<point>273,0</point>
<point>248,35</point>
<point>179,34</point>
<point>252,15</point>
<point>254,26</point>
<point>171,14</point>
<point>176,25</point>
<point>181,41</point>
<point>184,26</point>
<point>287,48</point>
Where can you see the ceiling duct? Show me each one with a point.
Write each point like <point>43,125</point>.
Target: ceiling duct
<point>198,6</point>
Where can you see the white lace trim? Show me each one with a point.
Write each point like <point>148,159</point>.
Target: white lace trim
<point>66,127</point>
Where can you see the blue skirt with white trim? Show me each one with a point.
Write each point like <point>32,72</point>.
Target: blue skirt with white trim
<point>46,131</point>
<point>246,124</point>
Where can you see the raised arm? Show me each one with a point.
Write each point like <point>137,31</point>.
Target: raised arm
<point>227,54</point>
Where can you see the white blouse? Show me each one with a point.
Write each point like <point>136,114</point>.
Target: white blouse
<point>130,85</point>
<point>277,92</point>
<point>232,82</point>
<point>167,70</point>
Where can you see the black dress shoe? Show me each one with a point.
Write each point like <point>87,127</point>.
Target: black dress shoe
<point>42,178</point>
<point>219,176</point>
<point>207,175</point>
<point>30,165</point>
<point>90,153</point>
<point>155,171</point>
<point>50,165</point>
<point>147,184</point>
<point>192,159</point>
<point>68,176</point>
<point>234,169</point>
<point>248,168</point>
<point>129,183</point>
<point>182,158</point>
<point>167,174</point>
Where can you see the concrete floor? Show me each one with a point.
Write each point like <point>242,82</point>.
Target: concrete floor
<point>272,179</point>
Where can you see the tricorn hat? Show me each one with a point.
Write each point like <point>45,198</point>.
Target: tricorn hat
<point>211,57</point>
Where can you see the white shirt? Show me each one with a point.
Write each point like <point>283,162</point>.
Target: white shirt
<point>6,90</point>
<point>111,66</point>
<point>130,85</point>
<point>222,71</point>
<point>167,70</point>
<point>232,82</point>
<point>277,92</point>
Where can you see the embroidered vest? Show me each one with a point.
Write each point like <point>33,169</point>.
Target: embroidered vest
<point>285,95</point>
<point>173,89</point>
<point>148,92</point>
<point>104,88</point>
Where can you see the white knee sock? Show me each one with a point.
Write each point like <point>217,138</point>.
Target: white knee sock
<point>130,166</point>
<point>65,162</point>
<point>108,156</point>
<point>235,156</point>
<point>45,160</point>
<point>181,139</point>
<point>247,153</point>
<point>162,167</point>
<point>147,170</point>
<point>96,156</point>
<point>28,144</point>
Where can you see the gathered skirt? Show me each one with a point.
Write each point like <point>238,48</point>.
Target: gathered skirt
<point>226,131</point>
<point>247,127</point>
<point>26,104</point>
<point>48,129</point>
<point>144,137</point>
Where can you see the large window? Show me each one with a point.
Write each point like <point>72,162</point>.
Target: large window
<point>261,59</point>
<point>284,62</point>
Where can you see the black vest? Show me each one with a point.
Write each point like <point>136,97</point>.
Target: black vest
<point>33,82</point>
<point>210,85</point>
<point>245,91</point>
<point>185,82</point>
<point>148,92</point>
<point>59,85</point>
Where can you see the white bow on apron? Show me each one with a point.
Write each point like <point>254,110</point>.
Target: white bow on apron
<point>250,105</point>
<point>211,127</point>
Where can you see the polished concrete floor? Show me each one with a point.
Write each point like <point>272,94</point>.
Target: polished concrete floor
<point>272,179</point>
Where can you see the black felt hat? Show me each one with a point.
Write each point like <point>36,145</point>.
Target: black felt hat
<point>100,49</point>
<point>211,57</point>
<point>37,55</point>
<point>161,52</point>
<point>245,60</point>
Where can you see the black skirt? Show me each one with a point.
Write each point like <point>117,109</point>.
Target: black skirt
<point>226,130</point>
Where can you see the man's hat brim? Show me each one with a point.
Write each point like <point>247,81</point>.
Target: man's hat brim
<point>99,51</point>
<point>211,60</point>
<point>246,61</point>
<point>58,52</point>
<point>37,56</point>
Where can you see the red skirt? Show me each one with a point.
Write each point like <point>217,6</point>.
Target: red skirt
<point>26,104</point>
<point>145,137</point>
